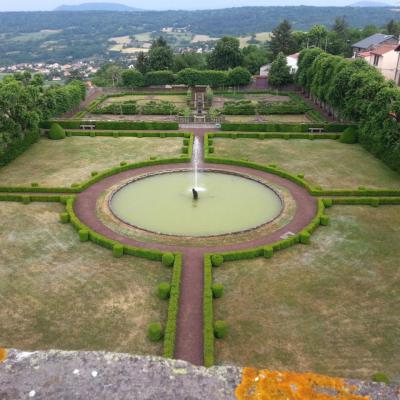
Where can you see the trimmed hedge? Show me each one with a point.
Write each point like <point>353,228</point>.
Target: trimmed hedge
<point>349,136</point>
<point>218,290</point>
<point>64,217</point>
<point>208,317</point>
<point>155,332</point>
<point>56,132</point>
<point>221,329</point>
<point>173,308</point>
<point>276,135</point>
<point>217,260</point>
<point>164,290</point>
<point>168,259</point>
<point>18,146</point>
<point>103,241</point>
<point>118,250</point>
<point>281,127</point>
<point>114,125</point>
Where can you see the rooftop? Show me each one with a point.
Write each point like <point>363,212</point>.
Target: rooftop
<point>372,41</point>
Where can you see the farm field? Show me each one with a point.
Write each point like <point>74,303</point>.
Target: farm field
<point>326,163</point>
<point>59,293</point>
<point>72,160</point>
<point>331,307</point>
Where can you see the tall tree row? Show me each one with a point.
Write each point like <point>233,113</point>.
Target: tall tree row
<point>24,102</point>
<point>356,91</point>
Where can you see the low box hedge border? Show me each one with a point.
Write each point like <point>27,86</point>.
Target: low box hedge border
<point>271,127</point>
<point>114,125</point>
<point>208,313</point>
<point>118,133</point>
<point>99,239</point>
<point>173,308</point>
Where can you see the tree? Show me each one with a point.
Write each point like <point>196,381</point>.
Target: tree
<point>254,57</point>
<point>393,27</point>
<point>279,74</point>
<point>142,63</point>
<point>132,78</point>
<point>108,75</point>
<point>340,26</point>
<point>189,60</point>
<point>317,36</point>
<point>160,56</point>
<point>239,76</point>
<point>282,39</point>
<point>226,54</point>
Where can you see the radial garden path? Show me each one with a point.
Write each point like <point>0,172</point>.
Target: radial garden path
<point>189,337</point>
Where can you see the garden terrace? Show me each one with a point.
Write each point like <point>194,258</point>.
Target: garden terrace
<point>330,307</point>
<point>60,293</point>
<point>324,162</point>
<point>60,163</point>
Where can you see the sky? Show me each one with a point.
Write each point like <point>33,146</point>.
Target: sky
<point>31,5</point>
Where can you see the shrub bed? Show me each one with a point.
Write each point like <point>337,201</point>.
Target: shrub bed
<point>159,108</point>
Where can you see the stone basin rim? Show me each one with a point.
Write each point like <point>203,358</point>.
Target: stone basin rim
<point>207,170</point>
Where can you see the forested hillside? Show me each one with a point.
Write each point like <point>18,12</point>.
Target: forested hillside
<point>57,36</point>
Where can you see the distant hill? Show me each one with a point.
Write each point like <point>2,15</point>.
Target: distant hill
<point>97,7</point>
<point>370,4</point>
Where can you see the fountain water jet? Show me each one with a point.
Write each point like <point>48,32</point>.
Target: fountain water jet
<point>195,162</point>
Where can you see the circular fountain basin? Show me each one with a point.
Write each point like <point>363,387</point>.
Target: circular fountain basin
<point>227,203</point>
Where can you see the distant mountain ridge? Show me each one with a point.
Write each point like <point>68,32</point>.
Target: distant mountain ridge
<point>370,4</point>
<point>97,7</point>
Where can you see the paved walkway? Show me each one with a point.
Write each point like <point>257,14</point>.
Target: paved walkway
<point>189,339</point>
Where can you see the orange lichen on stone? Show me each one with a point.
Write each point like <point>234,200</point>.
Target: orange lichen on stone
<point>3,354</point>
<point>275,385</point>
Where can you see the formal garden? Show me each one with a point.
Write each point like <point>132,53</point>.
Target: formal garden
<point>269,240</point>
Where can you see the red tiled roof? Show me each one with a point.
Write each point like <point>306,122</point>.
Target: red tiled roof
<point>384,49</point>
<point>364,54</point>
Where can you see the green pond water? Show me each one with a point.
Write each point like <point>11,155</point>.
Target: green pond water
<point>164,203</point>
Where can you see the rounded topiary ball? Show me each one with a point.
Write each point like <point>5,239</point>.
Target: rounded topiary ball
<point>155,332</point>
<point>217,260</point>
<point>164,290</point>
<point>218,290</point>
<point>221,329</point>
<point>380,377</point>
<point>168,259</point>
<point>56,132</point>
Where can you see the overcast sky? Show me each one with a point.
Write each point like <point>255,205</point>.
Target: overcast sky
<point>29,5</point>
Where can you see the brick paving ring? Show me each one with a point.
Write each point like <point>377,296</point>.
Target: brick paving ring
<point>189,338</point>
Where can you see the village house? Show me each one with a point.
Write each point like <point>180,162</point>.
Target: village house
<point>372,42</point>
<point>292,62</point>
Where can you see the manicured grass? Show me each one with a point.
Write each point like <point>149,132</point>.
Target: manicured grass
<point>63,162</point>
<point>295,118</point>
<point>58,293</point>
<point>332,307</point>
<point>326,163</point>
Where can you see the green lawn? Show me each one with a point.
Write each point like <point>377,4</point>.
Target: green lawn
<point>63,162</point>
<point>326,163</point>
<point>58,293</point>
<point>332,307</point>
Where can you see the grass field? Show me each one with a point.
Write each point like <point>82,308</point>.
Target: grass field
<point>61,163</point>
<point>59,293</point>
<point>327,163</point>
<point>332,307</point>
